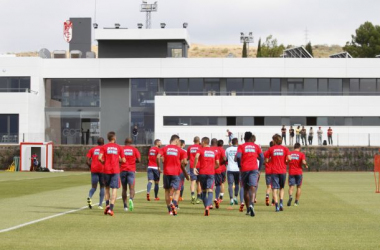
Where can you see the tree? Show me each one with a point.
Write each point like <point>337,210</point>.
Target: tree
<point>366,41</point>
<point>309,48</point>
<point>270,48</point>
<point>259,49</point>
<point>244,53</point>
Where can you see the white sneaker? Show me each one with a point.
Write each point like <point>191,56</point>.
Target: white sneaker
<point>100,207</point>
<point>126,209</point>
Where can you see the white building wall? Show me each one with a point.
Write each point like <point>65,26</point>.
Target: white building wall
<point>31,106</point>
<point>283,106</point>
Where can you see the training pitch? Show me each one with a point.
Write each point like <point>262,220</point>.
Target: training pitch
<point>48,211</point>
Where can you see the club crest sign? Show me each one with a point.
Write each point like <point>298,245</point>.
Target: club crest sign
<point>68,30</point>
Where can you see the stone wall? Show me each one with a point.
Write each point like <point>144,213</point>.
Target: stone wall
<point>71,157</point>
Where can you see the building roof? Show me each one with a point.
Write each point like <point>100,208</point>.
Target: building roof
<point>142,34</point>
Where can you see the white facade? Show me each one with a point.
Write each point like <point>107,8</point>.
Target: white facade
<point>31,106</point>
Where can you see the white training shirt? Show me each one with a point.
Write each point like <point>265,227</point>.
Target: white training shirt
<point>230,153</point>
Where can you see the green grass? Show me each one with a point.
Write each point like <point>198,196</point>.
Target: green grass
<point>337,211</point>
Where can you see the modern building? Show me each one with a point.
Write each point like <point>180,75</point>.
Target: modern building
<point>143,78</point>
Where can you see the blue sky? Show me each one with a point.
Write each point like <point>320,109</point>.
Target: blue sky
<point>28,25</point>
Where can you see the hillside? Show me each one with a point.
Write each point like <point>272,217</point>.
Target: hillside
<point>219,51</point>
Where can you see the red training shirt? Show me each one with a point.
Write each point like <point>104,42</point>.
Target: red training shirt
<point>131,154</point>
<point>207,158</point>
<point>268,165</point>
<point>249,154</point>
<point>172,155</point>
<point>111,156</point>
<point>278,155</point>
<point>152,157</point>
<point>96,165</point>
<point>222,167</point>
<point>191,152</point>
<point>295,165</point>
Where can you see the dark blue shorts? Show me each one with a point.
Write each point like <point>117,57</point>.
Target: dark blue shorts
<point>233,177</point>
<point>295,180</point>
<point>193,177</point>
<point>97,178</point>
<point>112,180</point>
<point>278,181</point>
<point>127,178</point>
<point>153,174</point>
<point>249,178</point>
<point>206,181</point>
<point>268,179</point>
<point>172,181</point>
<point>223,176</point>
<point>218,179</point>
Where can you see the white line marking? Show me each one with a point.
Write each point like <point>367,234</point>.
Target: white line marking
<point>45,177</point>
<point>52,216</point>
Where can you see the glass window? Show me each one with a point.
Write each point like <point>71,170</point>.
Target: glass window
<point>171,121</point>
<point>368,86</point>
<point>222,121</point>
<point>276,86</point>
<point>295,86</point>
<point>24,84</point>
<point>199,121</point>
<point>171,86</point>
<point>339,121</point>
<point>371,121</point>
<point>262,86</point>
<point>331,121</point>
<point>184,121</point>
<point>239,121</point>
<point>311,121</point>
<point>348,121</point>
<point>356,121</point>
<point>322,87</point>
<point>9,127</point>
<point>175,50</point>
<point>212,86</point>
<point>285,121</point>
<point>322,121</point>
<point>273,121</point>
<point>354,86</point>
<point>4,84</point>
<point>235,86</point>
<point>259,121</point>
<point>213,121</point>
<point>196,86</point>
<point>378,86</point>
<point>248,121</point>
<point>310,86</point>
<point>143,92</point>
<point>295,120</point>
<point>15,84</point>
<point>335,86</point>
<point>72,93</point>
<point>183,86</point>
<point>248,86</point>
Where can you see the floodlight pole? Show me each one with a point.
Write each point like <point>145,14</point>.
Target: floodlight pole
<point>148,18</point>
<point>247,40</point>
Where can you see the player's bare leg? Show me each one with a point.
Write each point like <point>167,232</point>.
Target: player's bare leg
<point>282,192</point>
<point>124,196</point>
<point>149,186</point>
<point>267,192</point>
<point>290,195</point>
<point>275,198</point>
<point>298,195</point>
<point>131,196</point>
<point>221,192</point>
